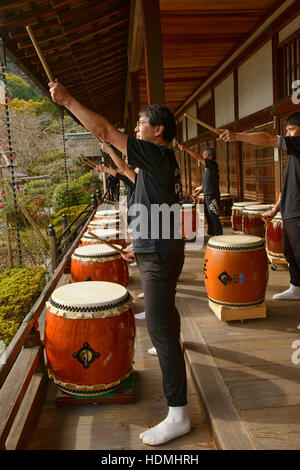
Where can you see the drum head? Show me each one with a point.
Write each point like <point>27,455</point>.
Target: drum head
<point>103,222</point>
<point>107,213</point>
<point>235,242</point>
<point>102,233</point>
<point>243,204</point>
<point>95,251</point>
<point>225,195</point>
<point>187,206</point>
<point>278,216</point>
<point>259,208</point>
<point>88,295</point>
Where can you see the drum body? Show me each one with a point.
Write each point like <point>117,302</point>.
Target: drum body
<point>89,337</point>
<point>237,215</point>
<point>188,217</point>
<point>275,237</point>
<point>106,214</point>
<point>225,207</point>
<point>98,262</point>
<point>111,235</point>
<point>236,270</point>
<point>103,224</point>
<point>252,221</point>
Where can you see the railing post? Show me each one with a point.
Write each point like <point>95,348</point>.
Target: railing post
<point>64,221</point>
<point>94,201</point>
<point>53,247</point>
<point>98,196</point>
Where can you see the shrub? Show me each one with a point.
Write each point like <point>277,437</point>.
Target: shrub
<point>72,213</point>
<point>64,196</point>
<point>19,289</point>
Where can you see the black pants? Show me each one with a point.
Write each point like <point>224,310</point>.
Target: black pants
<point>159,275</point>
<point>291,230</point>
<point>211,212</point>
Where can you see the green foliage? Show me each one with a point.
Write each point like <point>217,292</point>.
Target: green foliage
<point>19,289</point>
<point>79,192</point>
<point>90,182</point>
<point>18,88</point>
<point>71,195</point>
<point>71,213</point>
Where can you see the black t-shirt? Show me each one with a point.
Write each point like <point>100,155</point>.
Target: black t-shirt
<point>130,188</point>
<point>210,184</point>
<point>290,194</point>
<point>158,187</point>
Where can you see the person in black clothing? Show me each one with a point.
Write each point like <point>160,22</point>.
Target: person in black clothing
<point>160,258</point>
<point>113,186</point>
<point>210,188</point>
<point>289,200</point>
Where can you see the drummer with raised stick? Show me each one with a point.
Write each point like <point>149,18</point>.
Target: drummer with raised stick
<point>210,187</point>
<point>289,199</point>
<point>160,260</point>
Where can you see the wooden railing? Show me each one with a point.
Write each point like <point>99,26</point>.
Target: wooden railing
<point>23,376</point>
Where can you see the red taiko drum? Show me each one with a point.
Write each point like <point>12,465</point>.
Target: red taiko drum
<point>225,207</point>
<point>237,215</point>
<point>111,235</point>
<point>236,270</point>
<point>252,221</point>
<point>89,337</point>
<point>188,216</point>
<point>105,214</point>
<point>98,263</point>
<point>104,223</point>
<point>275,237</point>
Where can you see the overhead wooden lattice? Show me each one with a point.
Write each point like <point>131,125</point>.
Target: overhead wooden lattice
<point>83,41</point>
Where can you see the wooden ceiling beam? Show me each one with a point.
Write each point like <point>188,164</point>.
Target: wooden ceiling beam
<point>74,39</point>
<point>106,21</point>
<point>98,75</point>
<point>92,48</point>
<point>98,64</point>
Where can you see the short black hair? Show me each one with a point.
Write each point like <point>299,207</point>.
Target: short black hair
<point>160,115</point>
<point>294,119</point>
<point>211,151</point>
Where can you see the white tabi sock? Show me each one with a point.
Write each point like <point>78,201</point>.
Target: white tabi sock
<point>176,424</point>
<point>292,293</point>
<point>140,316</point>
<point>152,351</point>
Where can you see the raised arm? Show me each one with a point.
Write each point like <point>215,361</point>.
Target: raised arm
<point>193,154</point>
<point>106,169</point>
<point>119,162</point>
<point>254,138</point>
<point>95,123</point>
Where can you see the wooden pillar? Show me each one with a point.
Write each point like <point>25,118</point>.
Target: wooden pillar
<point>135,97</point>
<point>277,154</point>
<point>153,51</point>
<point>238,145</point>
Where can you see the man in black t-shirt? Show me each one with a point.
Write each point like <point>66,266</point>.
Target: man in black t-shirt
<point>289,199</point>
<point>160,257</point>
<point>210,188</point>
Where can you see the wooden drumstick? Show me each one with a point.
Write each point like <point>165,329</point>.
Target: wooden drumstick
<point>107,243</point>
<point>91,163</point>
<point>44,62</point>
<point>40,54</point>
<point>192,118</point>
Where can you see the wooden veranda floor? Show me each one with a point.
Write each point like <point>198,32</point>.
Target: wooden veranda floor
<point>242,373</point>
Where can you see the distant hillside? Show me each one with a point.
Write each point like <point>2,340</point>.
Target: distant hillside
<point>19,85</point>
